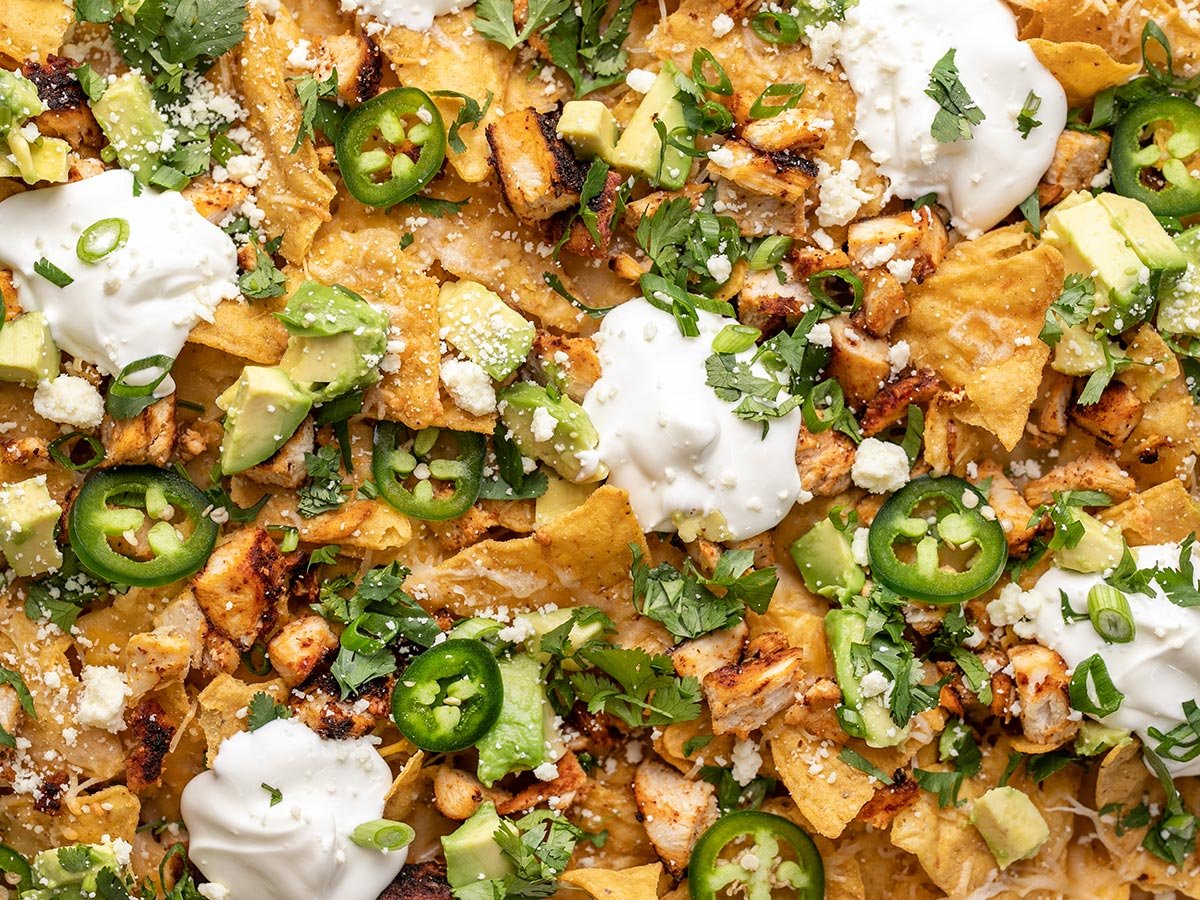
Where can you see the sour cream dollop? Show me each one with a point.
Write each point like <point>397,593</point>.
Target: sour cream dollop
<point>417,15</point>
<point>140,300</point>
<point>300,847</point>
<point>677,448</point>
<point>1157,671</point>
<point>888,49</point>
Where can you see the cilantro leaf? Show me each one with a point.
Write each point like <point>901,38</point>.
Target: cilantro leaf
<point>958,111</point>
<point>436,207</point>
<point>1115,361</point>
<point>639,689</point>
<point>165,37</point>
<point>1179,584</point>
<point>325,491</point>
<point>264,709</point>
<point>309,92</point>
<point>945,784</point>
<point>264,280</point>
<point>1074,304</point>
<point>352,669</point>
<point>857,761</point>
<point>1025,119</point>
<point>494,19</point>
<point>324,556</point>
<point>471,113</point>
<point>588,50</point>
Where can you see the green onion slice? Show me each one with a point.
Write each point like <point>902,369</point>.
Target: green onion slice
<point>124,400</point>
<point>384,835</point>
<point>735,338</point>
<point>101,238</point>
<point>1110,614</point>
<point>776,28</point>
<point>1091,674</point>
<point>769,252</point>
<point>63,456</point>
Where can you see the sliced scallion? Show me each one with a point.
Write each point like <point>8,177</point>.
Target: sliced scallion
<point>1092,690</point>
<point>385,835</point>
<point>63,456</point>
<point>769,252</point>
<point>776,28</point>
<point>101,238</point>
<point>52,273</point>
<point>1110,614</point>
<point>735,338</point>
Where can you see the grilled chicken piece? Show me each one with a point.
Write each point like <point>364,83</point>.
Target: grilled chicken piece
<point>571,779</point>
<point>744,696</point>
<point>215,200</point>
<point>220,655</point>
<point>884,303</point>
<point>286,468</point>
<point>67,114</point>
<point>457,794</point>
<point>824,460</point>
<point>791,130</point>
<point>767,305</point>
<point>29,452</point>
<point>1056,400</point>
<point>888,801</point>
<point>152,731</point>
<point>538,173</point>
<point>675,811</point>
<point>1011,509</point>
<point>319,705</point>
<point>917,236</point>
<point>1078,158</point>
<point>604,205</point>
<point>242,584</point>
<point>783,175</point>
<point>154,658</point>
<point>184,618</point>
<point>1091,472</point>
<point>891,404</point>
<point>146,439</point>
<point>714,651</point>
<point>574,358</point>
<point>1113,417</point>
<point>859,362</point>
<point>419,881</point>
<point>358,62</point>
<point>1041,677</point>
<point>300,646</point>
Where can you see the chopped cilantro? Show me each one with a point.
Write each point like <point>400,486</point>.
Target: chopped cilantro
<point>958,111</point>
<point>264,709</point>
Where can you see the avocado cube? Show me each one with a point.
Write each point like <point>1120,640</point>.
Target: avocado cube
<point>1145,235</point>
<point>488,331</point>
<point>76,866</point>
<point>826,562</point>
<point>1179,300</point>
<point>472,854</point>
<point>1010,824</point>
<point>263,408</point>
<point>843,629</point>
<point>45,159</point>
<point>640,150</point>
<point>1100,548</point>
<point>1078,352</point>
<point>28,353</point>
<point>556,431</point>
<point>1094,738</point>
<point>517,741</point>
<point>28,519</point>
<point>132,123</point>
<point>590,128</point>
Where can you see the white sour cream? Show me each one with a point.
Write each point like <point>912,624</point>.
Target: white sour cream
<point>1157,671</point>
<point>301,846</point>
<point>888,49</point>
<point>140,300</point>
<point>417,15</point>
<point>669,440</point>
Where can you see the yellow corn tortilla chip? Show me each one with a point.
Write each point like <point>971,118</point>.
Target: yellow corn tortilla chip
<point>640,883</point>
<point>976,323</point>
<point>33,29</point>
<point>246,329</point>
<point>1158,515</point>
<point>85,819</point>
<point>1115,25</point>
<point>1121,776</point>
<point>608,805</point>
<point>405,789</point>
<point>1083,69</point>
<point>223,707</point>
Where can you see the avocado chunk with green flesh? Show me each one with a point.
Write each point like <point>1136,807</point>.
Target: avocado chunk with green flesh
<point>1179,300</point>
<point>590,128</point>
<point>28,518</point>
<point>1010,824</point>
<point>132,123</point>
<point>640,150</point>
<point>263,408</point>
<point>484,328</point>
<point>843,629</point>
<point>28,353</point>
<point>555,430</point>
<point>544,622</point>
<point>1078,351</point>
<point>1100,548</point>
<point>1149,240</point>
<point>472,854</point>
<point>78,866</point>
<point>826,561</point>
<point>477,628</point>
<point>517,741</point>
<point>1094,738</point>
<point>45,159</point>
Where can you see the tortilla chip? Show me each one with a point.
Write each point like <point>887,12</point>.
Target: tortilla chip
<point>803,630</point>
<point>608,806</point>
<point>1084,70</point>
<point>85,819</point>
<point>1121,776</point>
<point>640,883</point>
<point>402,796</point>
<point>246,329</point>
<point>976,323</point>
<point>357,527</point>
<point>1115,25</point>
<point>33,29</point>
<point>580,559</point>
<point>224,704</point>
<point>1162,514</point>
<point>671,740</point>
<point>1155,364</point>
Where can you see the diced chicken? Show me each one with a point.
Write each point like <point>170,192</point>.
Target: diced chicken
<point>767,305</point>
<point>884,303</point>
<point>196,438</point>
<point>574,359</point>
<point>184,617</point>
<point>792,129</point>
<point>807,261</point>
<point>320,707</point>
<point>785,176</point>
<point>565,787</point>
<point>816,712</point>
<point>419,881</point>
<point>152,731</point>
<point>859,362</point>
<point>675,811</point>
<point>888,801</point>
<point>1091,472</point>
<point>8,292</point>
<point>358,63</point>
<point>714,651</point>
<point>28,452</point>
<point>67,113</point>
<point>215,200</point>
<point>154,658</point>
<point>1056,400</point>
<point>81,167</point>
<point>824,460</point>
<point>1113,417</point>
<point>457,794</point>
<point>538,173</point>
<point>241,585</point>
<point>917,236</point>
<point>629,268</point>
<point>286,468</point>
<point>1041,677</point>
<point>1010,507</point>
<point>1078,158</point>
<point>891,404</point>
<point>744,696</point>
<point>220,655</point>
<point>639,209</point>
<point>604,205</point>
<point>299,647</point>
<point>704,554</point>
<point>763,546</point>
<point>146,439</point>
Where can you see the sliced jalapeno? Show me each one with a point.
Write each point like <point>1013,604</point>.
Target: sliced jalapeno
<point>18,876</point>
<point>396,458</point>
<point>391,146</point>
<point>449,697</point>
<point>155,517</point>
<point>756,856</point>
<point>1156,155</point>
<point>925,519</point>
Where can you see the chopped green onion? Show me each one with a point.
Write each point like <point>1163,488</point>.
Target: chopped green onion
<point>290,536</point>
<point>735,338</point>
<point>256,659</point>
<point>64,458</point>
<point>1109,611</point>
<point>816,286</point>
<point>169,179</point>
<point>276,794</point>
<point>52,273</point>
<point>702,58</point>
<point>769,252</point>
<point>789,91</point>
<point>102,238</point>
<point>776,28</point>
<point>1093,671</point>
<point>384,835</point>
<point>124,400</point>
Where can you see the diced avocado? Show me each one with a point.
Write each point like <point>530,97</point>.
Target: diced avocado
<point>472,854</point>
<point>826,561</point>
<point>132,123</point>
<point>477,628</point>
<point>1010,824</point>
<point>1094,738</point>
<point>76,867</point>
<point>640,150</point>
<point>711,525</point>
<point>517,741</point>
<point>843,629</point>
<point>1149,240</point>
<point>337,340</point>
<point>44,159</point>
<point>561,497</point>
<point>590,128</point>
<point>1100,548</point>
<point>28,353</point>
<point>556,431</point>
<point>1179,299</point>
<point>28,518</point>
<point>487,330</point>
<point>545,621</point>
<point>19,100</point>
<point>263,408</point>
<point>1078,352</point>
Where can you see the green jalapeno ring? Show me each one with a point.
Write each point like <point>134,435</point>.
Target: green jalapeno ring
<point>963,527</point>
<point>1179,194</point>
<point>92,521</point>
<point>449,697</point>
<point>390,465</point>
<point>15,866</point>
<point>384,114</point>
<point>800,879</point>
